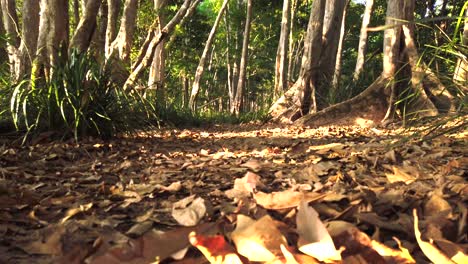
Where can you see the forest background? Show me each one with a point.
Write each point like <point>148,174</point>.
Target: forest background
<point>102,67</point>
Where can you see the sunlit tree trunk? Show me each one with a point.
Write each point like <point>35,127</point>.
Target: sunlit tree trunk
<point>244,60</point>
<point>98,43</point>
<point>291,41</point>
<point>123,42</point>
<point>363,40</point>
<point>153,40</point>
<point>86,27</point>
<point>76,12</point>
<point>461,70</point>
<point>298,100</point>
<point>158,65</point>
<point>113,8</point>
<point>281,67</point>
<point>231,91</point>
<point>201,64</point>
<point>10,22</point>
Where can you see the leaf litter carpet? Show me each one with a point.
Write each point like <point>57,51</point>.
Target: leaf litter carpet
<point>237,194</point>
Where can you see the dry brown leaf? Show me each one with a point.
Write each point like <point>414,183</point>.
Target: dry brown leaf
<point>431,252</point>
<point>189,211</point>
<point>400,175</point>
<point>73,211</point>
<point>314,239</point>
<point>51,244</point>
<point>258,240</point>
<point>437,207</point>
<point>253,165</point>
<point>285,199</point>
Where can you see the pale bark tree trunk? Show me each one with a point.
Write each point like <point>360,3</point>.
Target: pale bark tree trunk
<point>188,14</point>
<point>153,40</point>
<point>297,101</point>
<point>76,12</point>
<point>244,60</point>
<point>291,41</point>
<point>3,52</point>
<point>158,66</point>
<point>230,86</point>
<point>98,43</point>
<point>362,48</point>
<point>123,42</point>
<point>201,64</point>
<point>461,70</point>
<point>29,32</point>
<point>337,75</point>
<point>281,77</point>
<point>86,27</point>
<point>10,24</point>
<point>376,103</point>
<point>113,8</point>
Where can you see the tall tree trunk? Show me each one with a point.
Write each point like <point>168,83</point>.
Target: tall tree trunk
<point>153,40</point>
<point>52,36</point>
<point>201,64</point>
<point>123,42</point>
<point>98,43</point>
<point>460,75</point>
<point>86,27</point>
<point>376,103</point>
<point>158,66</point>
<point>337,75</point>
<point>331,34</point>
<point>298,100</point>
<point>362,48</point>
<point>3,52</point>
<point>10,23</point>
<point>244,60</point>
<point>231,91</point>
<point>281,77</point>
<point>29,32</point>
<point>76,13</point>
<point>291,41</point>
<point>113,8</point>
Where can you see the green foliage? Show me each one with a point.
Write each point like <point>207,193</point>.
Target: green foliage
<point>78,100</point>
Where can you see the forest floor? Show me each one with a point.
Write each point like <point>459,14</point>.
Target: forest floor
<point>243,190</point>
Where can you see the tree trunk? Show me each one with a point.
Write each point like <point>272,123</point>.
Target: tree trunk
<point>29,32</point>
<point>362,48</point>
<point>76,13</point>
<point>376,103</point>
<point>152,41</point>
<point>244,60</point>
<point>158,65</point>
<point>201,64</point>
<point>86,27</point>
<point>3,52</point>
<point>113,8</point>
<point>10,22</point>
<point>291,41</point>
<point>281,77</point>
<point>297,101</point>
<point>337,75</point>
<point>460,75</point>
<point>52,36</point>
<point>331,34</point>
<point>123,42</point>
<point>98,43</point>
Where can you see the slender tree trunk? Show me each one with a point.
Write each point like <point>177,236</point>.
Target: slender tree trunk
<point>111,29</point>
<point>86,27</point>
<point>460,75</point>
<point>98,43</point>
<point>231,91</point>
<point>123,42</point>
<point>298,100</point>
<point>30,32</point>
<point>291,41</point>
<point>76,13</point>
<point>337,75</point>
<point>362,49</point>
<point>158,65</point>
<point>201,64</point>
<point>153,40</point>
<point>244,61</point>
<point>10,24</point>
<point>3,52</point>
<point>281,77</point>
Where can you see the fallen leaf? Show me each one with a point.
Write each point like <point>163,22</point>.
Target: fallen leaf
<point>189,211</point>
<point>258,240</point>
<point>73,211</point>
<point>215,249</point>
<point>285,199</point>
<point>314,239</point>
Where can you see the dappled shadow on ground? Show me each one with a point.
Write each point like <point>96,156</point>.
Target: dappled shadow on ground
<point>58,198</point>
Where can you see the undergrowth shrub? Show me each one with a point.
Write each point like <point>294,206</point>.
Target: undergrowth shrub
<point>78,100</point>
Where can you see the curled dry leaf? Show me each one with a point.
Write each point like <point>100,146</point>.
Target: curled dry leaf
<point>314,239</point>
<point>285,199</point>
<point>215,249</point>
<point>258,240</point>
<point>400,175</point>
<point>431,251</point>
<point>189,211</point>
<point>73,211</point>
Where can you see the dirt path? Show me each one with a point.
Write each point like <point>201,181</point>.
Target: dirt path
<point>62,201</point>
